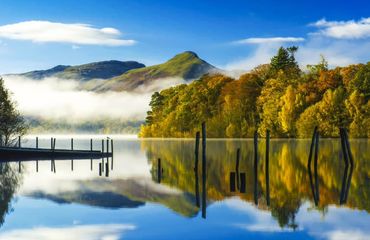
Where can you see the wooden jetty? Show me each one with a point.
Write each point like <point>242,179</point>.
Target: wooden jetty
<point>9,154</point>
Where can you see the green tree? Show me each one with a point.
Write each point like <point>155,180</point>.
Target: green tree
<point>12,123</point>
<point>284,60</point>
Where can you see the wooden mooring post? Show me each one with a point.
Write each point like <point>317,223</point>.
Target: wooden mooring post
<point>267,170</point>
<point>255,167</point>
<point>204,171</point>
<point>196,160</point>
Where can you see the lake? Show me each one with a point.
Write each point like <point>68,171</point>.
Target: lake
<point>141,200</point>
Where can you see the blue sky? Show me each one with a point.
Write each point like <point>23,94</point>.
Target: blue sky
<point>229,34</point>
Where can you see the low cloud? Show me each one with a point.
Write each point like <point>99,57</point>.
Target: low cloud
<point>74,33</point>
<point>269,40</point>
<point>344,29</point>
<point>59,99</point>
<point>81,232</point>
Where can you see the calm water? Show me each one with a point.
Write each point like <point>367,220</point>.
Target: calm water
<point>133,203</point>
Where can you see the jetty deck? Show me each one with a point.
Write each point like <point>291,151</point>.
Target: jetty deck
<point>8,154</point>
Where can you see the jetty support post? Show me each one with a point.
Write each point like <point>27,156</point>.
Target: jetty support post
<point>91,148</point>
<point>71,150</point>
<point>102,151</point>
<point>111,149</point>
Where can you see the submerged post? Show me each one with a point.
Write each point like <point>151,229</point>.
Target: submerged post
<point>37,161</point>
<point>255,167</point>
<point>159,171</point>
<point>204,171</point>
<point>107,169</point>
<point>100,164</point>
<point>267,170</point>
<point>107,146</point>
<point>102,151</point>
<point>315,166</point>
<point>91,148</point>
<point>72,150</point>
<point>196,151</point>
<point>111,146</point>
<point>312,147</point>
<point>237,168</point>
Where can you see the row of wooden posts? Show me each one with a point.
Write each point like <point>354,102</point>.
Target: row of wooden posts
<point>348,161</point>
<point>52,147</point>
<point>314,151</point>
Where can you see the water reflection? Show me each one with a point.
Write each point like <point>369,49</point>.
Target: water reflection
<point>288,179</point>
<point>166,172</point>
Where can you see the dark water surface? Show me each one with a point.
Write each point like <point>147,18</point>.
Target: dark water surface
<point>139,201</point>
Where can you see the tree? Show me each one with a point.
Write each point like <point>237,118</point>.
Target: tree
<point>284,60</point>
<point>12,123</point>
<point>288,113</point>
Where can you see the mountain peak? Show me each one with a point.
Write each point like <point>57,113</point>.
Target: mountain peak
<point>184,56</point>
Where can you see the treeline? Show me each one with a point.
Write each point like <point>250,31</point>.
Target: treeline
<point>278,96</point>
<point>103,126</point>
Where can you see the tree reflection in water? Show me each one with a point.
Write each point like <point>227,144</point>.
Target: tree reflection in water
<point>289,178</point>
<point>9,183</point>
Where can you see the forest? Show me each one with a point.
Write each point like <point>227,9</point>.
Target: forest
<point>278,96</point>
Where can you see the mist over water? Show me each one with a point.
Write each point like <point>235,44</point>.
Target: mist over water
<point>64,100</point>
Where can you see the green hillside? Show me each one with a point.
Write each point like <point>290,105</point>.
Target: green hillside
<point>186,65</point>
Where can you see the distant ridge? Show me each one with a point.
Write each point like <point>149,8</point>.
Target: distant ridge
<point>85,72</point>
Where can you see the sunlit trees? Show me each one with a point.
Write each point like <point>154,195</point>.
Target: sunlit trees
<point>277,96</point>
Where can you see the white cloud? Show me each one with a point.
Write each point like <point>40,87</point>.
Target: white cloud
<point>344,29</point>
<point>345,235</point>
<point>74,33</point>
<point>269,40</point>
<point>261,221</point>
<point>91,232</point>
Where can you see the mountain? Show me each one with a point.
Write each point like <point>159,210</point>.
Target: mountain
<point>186,65</point>
<point>85,72</point>
<point>98,199</point>
<point>40,74</point>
